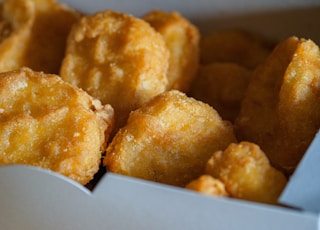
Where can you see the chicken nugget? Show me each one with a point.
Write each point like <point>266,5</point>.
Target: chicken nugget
<point>117,58</point>
<point>168,140</point>
<point>234,45</point>
<point>281,109</point>
<point>182,39</point>
<point>299,106</point>
<point>222,85</point>
<point>46,122</point>
<point>208,185</point>
<point>34,33</point>
<point>246,173</point>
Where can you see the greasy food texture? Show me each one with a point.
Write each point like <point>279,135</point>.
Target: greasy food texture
<point>182,39</point>
<point>45,122</point>
<point>168,140</point>
<point>227,113</point>
<point>34,33</point>
<point>117,58</point>
<point>222,85</point>
<point>246,172</point>
<point>208,185</point>
<point>280,110</point>
<point>234,45</point>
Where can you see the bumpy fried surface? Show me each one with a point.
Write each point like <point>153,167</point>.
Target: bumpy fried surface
<point>234,45</point>
<point>208,185</point>
<point>168,140</point>
<point>299,105</point>
<point>118,59</point>
<point>246,172</point>
<point>222,85</point>
<point>281,109</point>
<point>48,123</point>
<point>34,33</point>
<point>182,39</point>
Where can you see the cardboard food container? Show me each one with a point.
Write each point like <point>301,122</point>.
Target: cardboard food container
<point>37,199</point>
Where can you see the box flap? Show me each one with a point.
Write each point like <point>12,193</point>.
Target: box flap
<point>303,188</point>
<point>33,199</point>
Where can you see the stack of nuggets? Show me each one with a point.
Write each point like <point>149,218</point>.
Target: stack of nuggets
<point>225,114</point>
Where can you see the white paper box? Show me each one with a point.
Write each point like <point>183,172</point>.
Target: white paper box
<point>303,189</point>
<point>33,199</point>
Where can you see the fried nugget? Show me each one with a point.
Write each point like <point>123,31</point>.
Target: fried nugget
<point>281,108</point>
<point>47,123</point>
<point>118,59</point>
<point>234,45</point>
<point>222,85</point>
<point>208,185</point>
<point>34,33</point>
<point>182,39</point>
<point>246,173</point>
<point>168,140</point>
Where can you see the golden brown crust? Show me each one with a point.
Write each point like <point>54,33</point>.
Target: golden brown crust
<point>48,123</point>
<point>280,111</point>
<point>182,39</point>
<point>208,185</point>
<point>117,58</point>
<point>34,33</point>
<point>246,173</point>
<point>168,140</point>
<point>222,85</point>
<point>234,45</point>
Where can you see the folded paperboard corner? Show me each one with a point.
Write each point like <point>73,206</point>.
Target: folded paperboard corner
<point>36,199</point>
<point>303,188</point>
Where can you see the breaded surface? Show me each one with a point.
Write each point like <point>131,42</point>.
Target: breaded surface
<point>48,123</point>
<point>280,111</point>
<point>234,45</point>
<point>182,39</point>
<point>34,34</point>
<point>168,140</point>
<point>246,172</point>
<point>208,185</point>
<point>299,105</point>
<point>222,85</point>
<point>117,58</point>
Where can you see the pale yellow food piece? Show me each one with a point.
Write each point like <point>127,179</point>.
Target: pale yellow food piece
<point>281,109</point>
<point>118,59</point>
<point>168,140</point>
<point>33,34</point>
<point>47,123</point>
<point>182,39</point>
<point>234,45</point>
<point>208,185</point>
<point>222,85</point>
<point>246,173</point>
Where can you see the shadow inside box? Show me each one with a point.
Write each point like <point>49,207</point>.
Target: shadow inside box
<point>277,24</point>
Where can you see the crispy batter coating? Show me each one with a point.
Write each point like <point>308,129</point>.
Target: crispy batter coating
<point>281,108</point>
<point>168,140</point>
<point>118,59</point>
<point>222,85</point>
<point>234,45</point>
<point>182,39</point>
<point>299,105</point>
<point>208,185</point>
<point>246,172</point>
<point>34,33</point>
<point>48,123</point>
